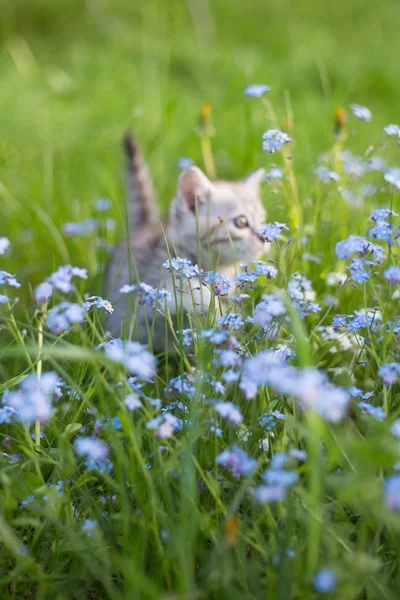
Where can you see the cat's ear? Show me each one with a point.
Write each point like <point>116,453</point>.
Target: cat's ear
<point>192,185</point>
<point>254,179</point>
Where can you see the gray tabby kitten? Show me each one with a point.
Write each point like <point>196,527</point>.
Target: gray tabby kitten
<point>211,223</point>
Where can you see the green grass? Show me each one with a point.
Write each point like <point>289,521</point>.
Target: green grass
<point>75,74</point>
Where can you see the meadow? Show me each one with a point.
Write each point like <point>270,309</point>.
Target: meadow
<point>261,459</point>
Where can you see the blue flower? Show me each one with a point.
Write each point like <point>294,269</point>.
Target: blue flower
<point>33,401</point>
<point>392,130</point>
<point>274,173</point>
<point>392,492</point>
<point>325,581</point>
<point>4,245</point>
<point>380,214</point>
<point>237,461</point>
<point>135,357</point>
<point>229,411</point>
<point>326,175</point>
<point>132,402</point>
<point>10,279</point>
<point>85,228</point>
<point>382,231</point>
<point>43,292</point>
<point>373,411</point>
<point>392,275</point>
<point>99,302</point>
<point>274,139</point>
<point>270,231</point>
<point>62,278</point>
<point>392,176</point>
<point>267,493</point>
<point>390,372</point>
<point>92,447</point>
<point>63,316</point>
<point>103,204</point>
<point>6,414</point>
<point>182,266</point>
<point>220,283</point>
<point>256,90</point>
<point>89,527</point>
<point>185,163</point>
<point>357,270</point>
<point>268,310</point>
<point>147,294</point>
<point>361,112</point>
<point>28,500</point>
<point>233,320</point>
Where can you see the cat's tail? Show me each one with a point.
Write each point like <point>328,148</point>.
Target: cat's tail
<point>142,208</point>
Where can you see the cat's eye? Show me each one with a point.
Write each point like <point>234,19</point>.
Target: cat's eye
<point>241,222</point>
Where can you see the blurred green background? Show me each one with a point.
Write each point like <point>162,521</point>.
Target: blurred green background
<point>75,73</point>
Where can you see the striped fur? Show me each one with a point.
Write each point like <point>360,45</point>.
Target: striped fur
<point>142,208</point>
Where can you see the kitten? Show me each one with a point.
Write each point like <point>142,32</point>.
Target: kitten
<point>212,223</point>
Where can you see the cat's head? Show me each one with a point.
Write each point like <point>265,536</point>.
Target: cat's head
<point>221,218</point>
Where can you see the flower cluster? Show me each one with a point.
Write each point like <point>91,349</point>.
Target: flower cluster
<point>34,399</point>
<point>132,355</point>
<point>62,278</point>
<point>271,231</point>
<point>237,461</point>
<point>182,267</point>
<point>99,302</point>
<point>63,316</point>
<point>274,139</point>
<point>146,294</point>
